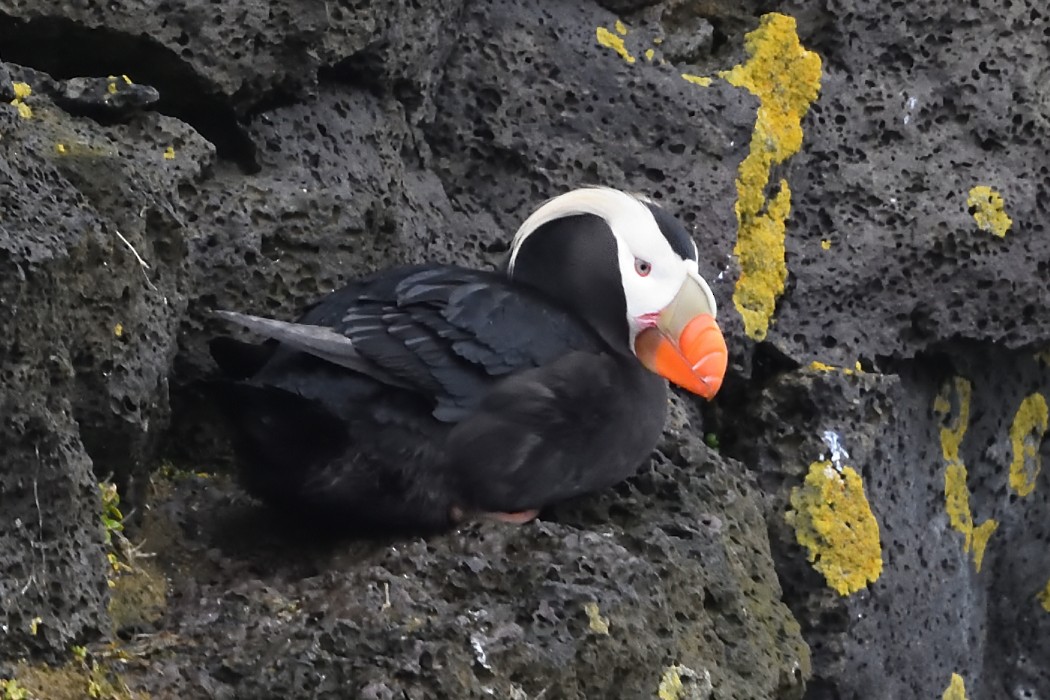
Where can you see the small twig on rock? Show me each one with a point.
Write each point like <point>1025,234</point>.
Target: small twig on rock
<point>143,263</point>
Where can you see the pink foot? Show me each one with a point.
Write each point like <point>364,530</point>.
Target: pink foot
<point>519,518</point>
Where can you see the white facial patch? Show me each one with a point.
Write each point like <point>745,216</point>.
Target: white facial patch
<point>637,237</point>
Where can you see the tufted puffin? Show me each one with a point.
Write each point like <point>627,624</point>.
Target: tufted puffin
<point>426,394</point>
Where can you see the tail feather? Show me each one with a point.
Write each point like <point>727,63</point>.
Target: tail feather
<point>238,359</point>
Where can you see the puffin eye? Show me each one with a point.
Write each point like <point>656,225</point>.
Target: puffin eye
<point>642,267</point>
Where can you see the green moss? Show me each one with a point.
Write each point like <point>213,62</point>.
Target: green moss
<point>138,596</point>
<point>77,680</point>
<point>138,591</point>
<point>11,690</point>
<point>112,518</point>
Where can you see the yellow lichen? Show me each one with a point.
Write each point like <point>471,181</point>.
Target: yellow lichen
<point>22,91</point>
<point>169,153</point>
<point>127,80</point>
<point>956,492</point>
<point>34,625</point>
<point>825,244</point>
<point>956,689</point>
<point>670,684</point>
<point>1044,597</point>
<point>11,690</point>
<point>620,27</point>
<point>818,366</point>
<point>834,522</point>
<point>1026,432</point>
<point>112,86</point>
<point>597,623</point>
<point>683,683</point>
<point>786,79</point>
<point>696,79</point>
<point>988,210</point>
<point>614,42</point>
<point>139,596</point>
<point>649,53</point>
<point>118,330</point>
<point>60,149</point>
<point>76,680</point>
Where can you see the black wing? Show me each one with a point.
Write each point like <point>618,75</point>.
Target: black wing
<point>444,332</point>
<point>579,424</point>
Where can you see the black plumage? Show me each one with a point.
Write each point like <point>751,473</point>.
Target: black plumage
<point>424,394</point>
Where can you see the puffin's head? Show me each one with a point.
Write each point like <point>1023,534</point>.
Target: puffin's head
<point>629,268</point>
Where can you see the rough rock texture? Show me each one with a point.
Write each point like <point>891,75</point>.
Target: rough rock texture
<point>919,105</point>
<point>293,145</point>
<point>987,626</point>
<point>597,600</point>
<point>89,334</point>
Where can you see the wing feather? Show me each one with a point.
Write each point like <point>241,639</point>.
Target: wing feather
<point>445,332</point>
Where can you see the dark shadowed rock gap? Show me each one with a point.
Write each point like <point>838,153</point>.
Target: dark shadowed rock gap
<point>67,49</point>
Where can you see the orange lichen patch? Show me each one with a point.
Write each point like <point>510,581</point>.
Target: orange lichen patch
<point>956,492</point>
<point>696,79</point>
<point>785,77</point>
<point>988,210</point>
<point>1026,432</point>
<point>956,689</point>
<point>834,522</point>
<point>1043,597</point>
<point>614,41</point>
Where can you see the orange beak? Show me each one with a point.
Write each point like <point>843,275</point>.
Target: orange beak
<point>686,346</point>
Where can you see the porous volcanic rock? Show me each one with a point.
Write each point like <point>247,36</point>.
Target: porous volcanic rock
<point>293,146</point>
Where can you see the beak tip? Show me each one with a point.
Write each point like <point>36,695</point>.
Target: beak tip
<point>697,362</point>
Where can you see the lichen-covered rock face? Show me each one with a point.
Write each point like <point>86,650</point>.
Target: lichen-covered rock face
<point>867,187</point>
<point>905,433</point>
<point>919,105</point>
